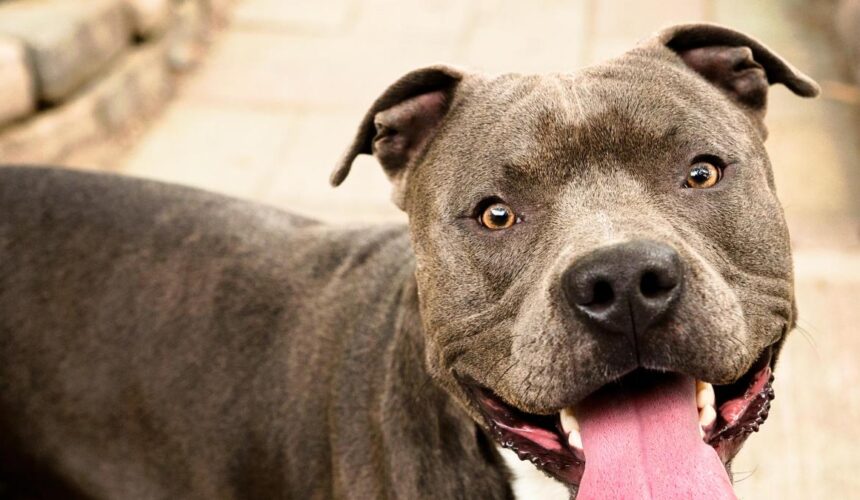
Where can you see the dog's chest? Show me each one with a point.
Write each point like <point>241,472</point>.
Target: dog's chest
<point>528,483</point>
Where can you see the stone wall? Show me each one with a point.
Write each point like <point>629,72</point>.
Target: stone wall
<point>80,76</point>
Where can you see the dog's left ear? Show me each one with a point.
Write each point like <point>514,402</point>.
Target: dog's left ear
<point>739,65</point>
<point>400,124</point>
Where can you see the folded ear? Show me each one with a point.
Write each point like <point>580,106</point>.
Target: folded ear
<point>399,126</point>
<point>737,64</point>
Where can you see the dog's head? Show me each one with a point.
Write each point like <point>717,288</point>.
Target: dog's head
<point>598,245</point>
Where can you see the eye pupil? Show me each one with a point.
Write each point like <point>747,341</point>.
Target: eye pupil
<point>497,216</point>
<point>703,175</point>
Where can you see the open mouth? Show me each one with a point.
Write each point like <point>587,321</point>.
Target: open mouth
<point>638,412</point>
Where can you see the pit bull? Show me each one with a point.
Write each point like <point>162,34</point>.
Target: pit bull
<point>595,279</point>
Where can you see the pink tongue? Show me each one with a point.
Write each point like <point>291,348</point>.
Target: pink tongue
<point>643,442</point>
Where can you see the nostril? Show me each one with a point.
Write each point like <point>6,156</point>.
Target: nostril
<point>624,287</point>
<point>603,295</point>
<point>652,286</point>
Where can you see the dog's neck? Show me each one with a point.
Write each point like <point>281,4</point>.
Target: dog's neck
<point>418,421</point>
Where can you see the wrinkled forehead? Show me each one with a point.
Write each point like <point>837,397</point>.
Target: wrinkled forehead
<point>613,111</point>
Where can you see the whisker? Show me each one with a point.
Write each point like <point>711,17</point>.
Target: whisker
<point>809,340</point>
<point>748,475</point>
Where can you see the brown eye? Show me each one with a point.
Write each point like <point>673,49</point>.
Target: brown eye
<point>703,175</point>
<point>498,216</point>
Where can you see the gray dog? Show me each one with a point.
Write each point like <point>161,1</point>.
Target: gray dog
<point>596,277</point>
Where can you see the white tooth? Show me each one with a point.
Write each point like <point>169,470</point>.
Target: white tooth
<point>571,427</point>
<point>701,432</point>
<point>707,416</point>
<point>568,421</point>
<point>705,395</point>
<point>575,439</point>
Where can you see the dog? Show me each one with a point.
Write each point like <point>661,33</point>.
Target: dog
<point>596,278</point>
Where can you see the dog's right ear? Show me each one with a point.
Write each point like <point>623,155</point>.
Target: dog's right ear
<point>737,64</point>
<point>399,126</point>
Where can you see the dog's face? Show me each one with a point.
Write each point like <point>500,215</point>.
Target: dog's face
<point>578,234</point>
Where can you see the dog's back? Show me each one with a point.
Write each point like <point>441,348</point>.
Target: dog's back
<point>133,313</point>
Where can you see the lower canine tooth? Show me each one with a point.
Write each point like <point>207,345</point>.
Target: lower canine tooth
<point>575,439</point>
<point>568,421</point>
<point>704,394</point>
<point>707,416</point>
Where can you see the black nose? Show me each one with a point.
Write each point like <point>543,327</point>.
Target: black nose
<point>625,288</point>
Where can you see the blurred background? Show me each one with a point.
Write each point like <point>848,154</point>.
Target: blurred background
<point>258,98</point>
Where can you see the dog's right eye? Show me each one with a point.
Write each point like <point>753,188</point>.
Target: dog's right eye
<point>497,215</point>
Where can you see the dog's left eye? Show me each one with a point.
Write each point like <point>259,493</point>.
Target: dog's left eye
<point>703,175</point>
<point>497,216</point>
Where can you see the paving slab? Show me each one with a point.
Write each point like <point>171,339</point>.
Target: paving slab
<point>434,22</point>
<point>329,16</point>
<point>617,25</point>
<point>217,147</point>
<point>261,68</point>
<point>300,183</point>
<point>515,37</point>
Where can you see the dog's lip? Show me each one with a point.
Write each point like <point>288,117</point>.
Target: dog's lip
<point>742,414</point>
<point>557,459</point>
<point>742,410</point>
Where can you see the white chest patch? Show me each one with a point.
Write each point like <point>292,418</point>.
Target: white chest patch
<point>529,483</point>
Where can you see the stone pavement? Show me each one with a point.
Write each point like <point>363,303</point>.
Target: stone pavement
<point>284,87</point>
